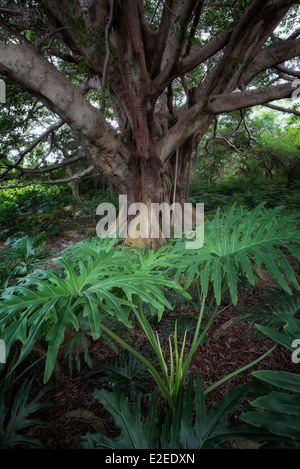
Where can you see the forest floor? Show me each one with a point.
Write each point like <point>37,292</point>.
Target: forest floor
<point>230,346</point>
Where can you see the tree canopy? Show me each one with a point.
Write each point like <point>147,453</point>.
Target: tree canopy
<point>131,87</point>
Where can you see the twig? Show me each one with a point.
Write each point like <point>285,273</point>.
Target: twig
<point>155,11</point>
<point>282,109</point>
<point>52,181</point>
<point>248,131</point>
<point>50,130</point>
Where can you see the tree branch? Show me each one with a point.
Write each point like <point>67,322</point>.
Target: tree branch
<point>107,56</point>
<point>200,54</point>
<point>30,113</point>
<point>240,100</point>
<point>283,109</point>
<point>269,57</point>
<point>75,177</point>
<point>28,171</point>
<point>41,137</point>
<point>288,71</point>
<point>173,43</point>
<point>22,62</point>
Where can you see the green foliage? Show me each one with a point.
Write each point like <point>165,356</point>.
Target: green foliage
<point>15,416</point>
<point>76,344</point>
<point>33,209</point>
<point>134,433</point>
<point>123,371</point>
<point>99,280</point>
<point>47,302</point>
<point>275,424</point>
<point>269,314</point>
<point>279,410</point>
<point>238,242</point>
<point>258,145</point>
<point>290,330</point>
<point>20,210</point>
<point>224,193</point>
<point>186,325</point>
<point>21,257</point>
<point>179,428</point>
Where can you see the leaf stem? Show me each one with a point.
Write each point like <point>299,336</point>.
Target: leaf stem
<point>239,370</point>
<point>153,371</point>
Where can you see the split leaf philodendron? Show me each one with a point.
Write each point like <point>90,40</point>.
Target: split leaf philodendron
<point>100,280</point>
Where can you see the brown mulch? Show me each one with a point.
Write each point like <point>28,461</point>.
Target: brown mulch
<point>230,346</point>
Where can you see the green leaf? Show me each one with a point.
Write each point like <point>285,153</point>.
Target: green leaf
<point>279,402</point>
<point>237,240</point>
<point>281,379</point>
<point>134,433</point>
<point>276,336</point>
<point>16,417</point>
<point>283,425</point>
<point>55,337</point>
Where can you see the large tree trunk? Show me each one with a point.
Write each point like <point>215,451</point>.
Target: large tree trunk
<point>155,207</point>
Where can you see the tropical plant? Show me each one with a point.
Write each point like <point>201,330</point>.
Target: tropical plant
<point>279,410</point>
<point>275,300</point>
<point>237,242</point>
<point>122,371</point>
<point>15,416</point>
<point>176,428</point>
<point>22,255</point>
<point>100,288</point>
<point>241,241</point>
<point>114,282</point>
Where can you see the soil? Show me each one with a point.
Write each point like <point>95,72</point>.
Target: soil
<point>75,411</point>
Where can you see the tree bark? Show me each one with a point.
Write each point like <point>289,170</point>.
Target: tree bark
<point>74,185</point>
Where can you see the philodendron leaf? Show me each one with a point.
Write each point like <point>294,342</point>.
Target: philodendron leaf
<point>277,412</point>
<point>210,428</point>
<point>48,301</point>
<point>17,416</point>
<point>238,242</point>
<point>281,379</point>
<point>278,424</point>
<point>134,434</point>
<point>279,402</point>
<point>173,428</point>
